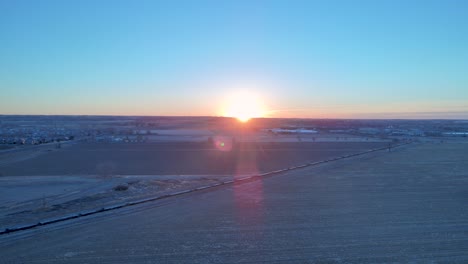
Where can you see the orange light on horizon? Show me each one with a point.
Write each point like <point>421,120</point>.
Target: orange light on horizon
<point>244,106</point>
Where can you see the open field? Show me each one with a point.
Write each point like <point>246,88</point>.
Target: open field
<point>3,147</point>
<point>27,200</point>
<point>179,158</point>
<point>408,205</point>
<point>82,177</point>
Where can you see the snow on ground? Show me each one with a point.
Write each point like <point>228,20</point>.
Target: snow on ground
<point>30,199</point>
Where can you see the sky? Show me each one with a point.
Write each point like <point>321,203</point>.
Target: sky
<point>310,59</point>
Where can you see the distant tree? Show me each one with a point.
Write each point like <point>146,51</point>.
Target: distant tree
<point>121,187</point>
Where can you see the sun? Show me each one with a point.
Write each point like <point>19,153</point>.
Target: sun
<point>244,106</point>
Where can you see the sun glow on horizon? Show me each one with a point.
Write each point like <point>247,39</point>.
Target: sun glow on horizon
<point>244,106</point>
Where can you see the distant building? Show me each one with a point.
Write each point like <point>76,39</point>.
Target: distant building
<point>293,131</point>
<point>369,130</point>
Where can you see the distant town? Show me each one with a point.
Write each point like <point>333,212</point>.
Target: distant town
<point>36,130</point>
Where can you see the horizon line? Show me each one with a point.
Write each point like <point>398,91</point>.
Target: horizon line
<point>266,117</point>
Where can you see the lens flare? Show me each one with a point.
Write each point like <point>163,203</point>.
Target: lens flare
<point>222,143</point>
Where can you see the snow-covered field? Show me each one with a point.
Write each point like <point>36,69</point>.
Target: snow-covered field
<point>29,198</point>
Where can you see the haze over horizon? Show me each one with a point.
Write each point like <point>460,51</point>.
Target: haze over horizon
<point>304,59</point>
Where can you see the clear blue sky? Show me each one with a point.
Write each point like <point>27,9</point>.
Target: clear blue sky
<point>304,58</point>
